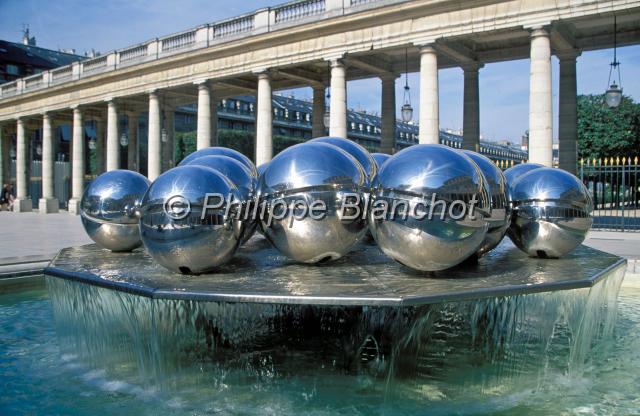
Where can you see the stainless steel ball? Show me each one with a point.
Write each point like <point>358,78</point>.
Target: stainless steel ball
<point>305,174</point>
<point>500,210</point>
<point>241,176</point>
<point>262,168</point>
<point>380,158</point>
<point>551,213</point>
<point>108,209</point>
<point>224,151</point>
<point>354,149</point>
<point>174,230</point>
<point>417,176</point>
<point>513,173</point>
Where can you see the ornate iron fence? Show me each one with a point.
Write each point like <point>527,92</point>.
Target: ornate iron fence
<point>615,188</point>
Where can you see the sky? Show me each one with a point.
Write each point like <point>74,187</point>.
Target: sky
<point>105,25</point>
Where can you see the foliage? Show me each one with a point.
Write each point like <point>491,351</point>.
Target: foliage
<point>240,140</point>
<point>604,131</point>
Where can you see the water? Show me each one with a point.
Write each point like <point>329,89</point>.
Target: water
<point>557,353</point>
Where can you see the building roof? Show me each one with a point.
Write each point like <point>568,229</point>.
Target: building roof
<point>19,53</point>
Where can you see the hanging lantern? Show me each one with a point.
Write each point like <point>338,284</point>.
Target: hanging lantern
<point>39,150</point>
<point>164,136</point>
<point>12,153</point>
<point>124,140</point>
<point>407,110</point>
<point>92,143</point>
<point>613,96</point>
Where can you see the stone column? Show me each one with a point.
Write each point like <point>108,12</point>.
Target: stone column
<point>155,144</point>
<point>540,105</point>
<point>77,162</point>
<point>167,147</point>
<point>113,137</point>
<point>338,105</point>
<point>568,112</point>
<point>264,120</point>
<point>4,152</point>
<point>204,116</point>
<point>48,203</point>
<point>429,101</point>
<point>317,121</point>
<point>132,148</point>
<point>471,113</point>
<point>388,110</point>
<point>214,121</point>
<point>100,148</point>
<point>22,202</point>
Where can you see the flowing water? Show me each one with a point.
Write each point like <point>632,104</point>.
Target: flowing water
<point>568,352</point>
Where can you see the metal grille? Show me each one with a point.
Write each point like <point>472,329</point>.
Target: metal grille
<point>615,188</point>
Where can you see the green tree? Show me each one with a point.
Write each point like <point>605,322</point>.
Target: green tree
<point>606,132</point>
<point>240,140</point>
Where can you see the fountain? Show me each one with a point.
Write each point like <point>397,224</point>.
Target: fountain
<point>262,315</point>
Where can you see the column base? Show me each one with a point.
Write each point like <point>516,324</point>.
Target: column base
<point>48,205</point>
<point>22,205</point>
<point>74,206</point>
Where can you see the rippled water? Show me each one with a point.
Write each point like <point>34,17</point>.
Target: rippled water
<point>471,360</point>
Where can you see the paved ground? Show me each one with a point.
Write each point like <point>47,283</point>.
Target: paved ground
<point>33,234</point>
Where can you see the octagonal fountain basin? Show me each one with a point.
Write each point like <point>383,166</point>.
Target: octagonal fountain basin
<point>450,340</point>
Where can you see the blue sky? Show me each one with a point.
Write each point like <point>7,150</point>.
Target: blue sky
<point>105,25</point>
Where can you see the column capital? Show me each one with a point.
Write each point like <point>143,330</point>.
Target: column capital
<point>538,31</point>
<point>202,83</point>
<point>568,54</point>
<point>427,48</point>
<point>472,67</point>
<point>337,62</point>
<point>76,107</point>
<point>389,76</point>
<point>266,74</point>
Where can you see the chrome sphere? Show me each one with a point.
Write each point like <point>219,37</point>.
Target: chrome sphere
<point>309,173</point>
<point>513,173</point>
<point>380,158</point>
<point>500,211</point>
<point>354,149</point>
<point>224,151</point>
<point>417,176</point>
<point>262,168</point>
<point>172,225</point>
<point>551,212</point>
<point>240,175</point>
<point>109,209</point>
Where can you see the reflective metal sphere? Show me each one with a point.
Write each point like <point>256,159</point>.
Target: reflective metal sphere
<point>240,175</point>
<point>224,151</point>
<point>513,173</point>
<point>380,158</point>
<point>172,226</point>
<point>429,243</point>
<point>354,149</point>
<point>311,172</point>
<point>551,212</point>
<point>262,168</point>
<point>108,209</point>
<point>500,211</point>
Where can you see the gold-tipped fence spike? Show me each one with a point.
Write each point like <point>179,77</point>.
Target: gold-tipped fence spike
<point>582,161</point>
<point>617,160</point>
<point>635,160</point>
<point>594,161</point>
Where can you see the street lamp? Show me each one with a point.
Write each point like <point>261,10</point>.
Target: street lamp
<point>124,140</point>
<point>92,143</point>
<point>407,109</point>
<point>39,150</point>
<point>613,96</point>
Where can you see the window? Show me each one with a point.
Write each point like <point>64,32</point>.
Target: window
<point>13,69</point>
